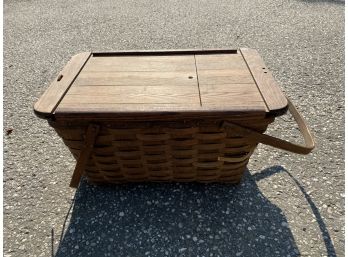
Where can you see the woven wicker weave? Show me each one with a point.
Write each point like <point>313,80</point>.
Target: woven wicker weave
<point>207,153</point>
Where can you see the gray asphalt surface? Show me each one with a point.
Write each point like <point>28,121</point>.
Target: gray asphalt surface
<point>287,204</point>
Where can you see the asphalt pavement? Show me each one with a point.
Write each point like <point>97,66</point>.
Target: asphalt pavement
<point>286,205</point>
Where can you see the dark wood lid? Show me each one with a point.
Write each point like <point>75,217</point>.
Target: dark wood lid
<point>148,84</point>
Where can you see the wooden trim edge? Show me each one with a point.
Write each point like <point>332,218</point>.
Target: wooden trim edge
<point>50,99</point>
<point>269,89</point>
<point>165,52</point>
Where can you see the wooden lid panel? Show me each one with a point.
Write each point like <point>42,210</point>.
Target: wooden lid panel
<point>129,81</point>
<point>225,80</point>
<point>175,83</point>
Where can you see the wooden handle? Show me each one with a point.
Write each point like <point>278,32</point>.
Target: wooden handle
<point>276,142</point>
<point>91,134</point>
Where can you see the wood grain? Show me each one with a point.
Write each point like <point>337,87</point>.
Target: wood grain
<point>127,82</point>
<point>131,98</point>
<point>142,64</point>
<point>227,76</point>
<point>225,80</point>
<point>136,78</point>
<point>231,95</point>
<point>47,103</point>
<point>220,62</point>
<point>122,91</point>
<point>269,89</point>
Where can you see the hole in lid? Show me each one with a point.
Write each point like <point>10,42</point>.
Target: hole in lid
<point>265,72</point>
<point>190,77</point>
<point>60,77</point>
<point>263,68</point>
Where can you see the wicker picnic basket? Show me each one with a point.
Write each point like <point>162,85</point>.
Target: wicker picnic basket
<point>184,115</point>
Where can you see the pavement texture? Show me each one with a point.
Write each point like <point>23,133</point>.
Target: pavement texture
<point>286,205</point>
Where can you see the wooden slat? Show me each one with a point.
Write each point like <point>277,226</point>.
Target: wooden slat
<point>214,77</point>
<point>220,62</point>
<point>231,95</point>
<point>123,92</point>
<point>136,78</point>
<point>142,64</point>
<point>269,89</point>
<point>131,98</point>
<point>47,103</point>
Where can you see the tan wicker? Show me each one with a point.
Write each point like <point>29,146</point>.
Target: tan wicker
<point>163,153</point>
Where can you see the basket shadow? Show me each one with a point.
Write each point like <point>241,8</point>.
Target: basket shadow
<point>176,220</point>
<point>340,2</point>
<point>330,249</point>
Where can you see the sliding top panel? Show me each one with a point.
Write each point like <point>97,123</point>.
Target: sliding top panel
<point>134,83</point>
<point>182,83</point>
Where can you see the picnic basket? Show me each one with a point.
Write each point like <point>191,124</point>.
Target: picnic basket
<point>174,115</point>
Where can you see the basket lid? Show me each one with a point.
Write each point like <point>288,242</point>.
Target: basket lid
<point>163,84</point>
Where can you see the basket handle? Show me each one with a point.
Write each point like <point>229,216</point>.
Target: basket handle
<point>91,134</point>
<point>276,142</point>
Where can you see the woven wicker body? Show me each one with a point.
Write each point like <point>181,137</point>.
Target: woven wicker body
<point>204,153</point>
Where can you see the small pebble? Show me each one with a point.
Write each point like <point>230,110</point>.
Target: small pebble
<point>182,250</point>
<point>284,224</point>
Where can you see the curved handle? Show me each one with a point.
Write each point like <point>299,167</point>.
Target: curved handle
<point>276,142</point>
